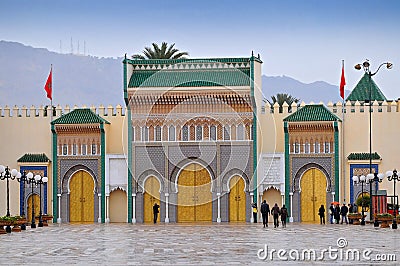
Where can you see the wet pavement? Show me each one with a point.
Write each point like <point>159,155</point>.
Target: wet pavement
<point>204,244</point>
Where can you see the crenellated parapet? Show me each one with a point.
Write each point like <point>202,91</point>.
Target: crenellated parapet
<point>43,111</point>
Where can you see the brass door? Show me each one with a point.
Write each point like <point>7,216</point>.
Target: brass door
<point>29,207</point>
<point>81,199</point>
<point>313,194</point>
<point>151,196</point>
<point>194,195</point>
<point>237,200</point>
<point>118,206</point>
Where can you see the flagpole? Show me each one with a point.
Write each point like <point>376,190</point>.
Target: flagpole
<point>343,164</point>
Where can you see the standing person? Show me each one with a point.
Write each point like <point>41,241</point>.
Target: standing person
<point>284,214</point>
<point>350,211</point>
<point>254,206</point>
<point>321,213</point>
<point>265,212</point>
<point>155,211</point>
<point>337,214</point>
<point>275,212</point>
<point>331,213</point>
<point>343,211</point>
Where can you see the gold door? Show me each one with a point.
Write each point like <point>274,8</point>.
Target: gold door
<point>237,200</point>
<point>29,206</point>
<point>151,196</point>
<point>313,195</point>
<point>194,194</point>
<point>81,206</point>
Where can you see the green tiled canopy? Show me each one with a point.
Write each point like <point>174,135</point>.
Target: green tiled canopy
<point>33,158</point>
<point>361,91</point>
<point>80,116</point>
<point>190,78</point>
<point>363,156</point>
<point>313,112</point>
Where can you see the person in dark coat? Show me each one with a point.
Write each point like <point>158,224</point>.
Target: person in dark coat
<point>275,212</point>
<point>265,211</point>
<point>343,211</point>
<point>284,214</point>
<point>337,214</point>
<point>350,206</point>
<point>331,213</point>
<point>155,211</point>
<point>321,213</point>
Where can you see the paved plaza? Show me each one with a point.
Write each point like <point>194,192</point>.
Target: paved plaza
<point>206,244</point>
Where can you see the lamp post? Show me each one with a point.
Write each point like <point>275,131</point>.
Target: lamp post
<point>23,179</point>
<point>32,182</point>
<point>40,180</point>
<point>5,173</point>
<point>392,176</point>
<point>367,70</point>
<point>375,178</point>
<point>361,180</point>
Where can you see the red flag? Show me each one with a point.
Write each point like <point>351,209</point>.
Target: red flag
<point>49,85</point>
<point>342,83</point>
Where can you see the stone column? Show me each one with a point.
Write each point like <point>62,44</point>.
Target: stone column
<point>166,208</point>
<point>291,207</point>
<point>108,209</point>
<point>133,208</point>
<point>99,219</point>
<point>251,209</point>
<point>333,195</point>
<point>59,208</point>
<point>219,207</point>
<point>283,198</point>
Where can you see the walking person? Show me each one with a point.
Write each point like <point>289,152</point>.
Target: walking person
<point>275,212</point>
<point>350,206</point>
<point>343,211</point>
<point>331,213</point>
<point>155,211</point>
<point>265,211</point>
<point>321,213</point>
<point>254,206</point>
<point>284,214</point>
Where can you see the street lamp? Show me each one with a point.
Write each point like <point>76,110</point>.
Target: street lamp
<point>375,178</point>
<point>40,180</point>
<point>5,173</point>
<point>356,181</point>
<point>367,70</point>
<point>32,182</point>
<point>23,179</point>
<point>392,176</point>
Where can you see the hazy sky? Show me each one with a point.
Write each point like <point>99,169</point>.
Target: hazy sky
<point>306,40</point>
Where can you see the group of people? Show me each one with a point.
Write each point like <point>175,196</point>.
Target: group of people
<point>275,212</point>
<point>336,212</point>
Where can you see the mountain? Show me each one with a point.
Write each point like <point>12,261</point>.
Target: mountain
<point>88,80</point>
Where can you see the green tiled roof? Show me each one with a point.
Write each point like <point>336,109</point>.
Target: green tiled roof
<point>361,91</point>
<point>190,78</point>
<point>33,158</point>
<point>80,116</point>
<point>312,112</point>
<point>188,60</point>
<point>363,156</point>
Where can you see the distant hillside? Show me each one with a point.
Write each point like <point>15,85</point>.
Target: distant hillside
<point>89,80</point>
<point>77,79</point>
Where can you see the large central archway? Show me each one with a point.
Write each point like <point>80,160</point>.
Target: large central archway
<point>313,194</point>
<point>81,187</point>
<point>194,194</point>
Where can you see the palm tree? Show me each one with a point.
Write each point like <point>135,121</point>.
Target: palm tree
<point>280,98</point>
<point>164,52</point>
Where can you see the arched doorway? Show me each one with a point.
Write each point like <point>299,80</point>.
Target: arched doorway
<point>359,201</point>
<point>272,196</point>
<point>194,194</point>
<point>151,195</point>
<point>36,203</point>
<point>313,194</point>
<point>81,206</point>
<point>118,206</point>
<point>237,200</point>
